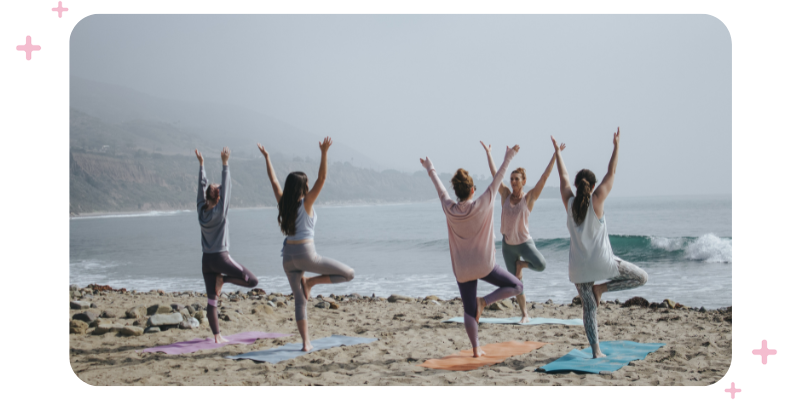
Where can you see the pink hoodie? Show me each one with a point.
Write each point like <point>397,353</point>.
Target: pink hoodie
<point>470,226</point>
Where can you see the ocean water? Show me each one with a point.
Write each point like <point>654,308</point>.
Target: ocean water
<point>684,244</point>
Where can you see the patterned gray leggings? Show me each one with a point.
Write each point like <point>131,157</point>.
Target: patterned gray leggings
<point>630,276</point>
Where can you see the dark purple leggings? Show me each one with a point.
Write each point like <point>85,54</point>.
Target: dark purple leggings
<point>508,286</point>
<point>215,264</point>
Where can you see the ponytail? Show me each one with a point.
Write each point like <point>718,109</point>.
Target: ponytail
<point>584,182</point>
<point>296,186</point>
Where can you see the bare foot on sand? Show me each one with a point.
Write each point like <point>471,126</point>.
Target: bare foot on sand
<point>524,319</point>
<point>219,284</point>
<point>477,352</point>
<point>307,346</point>
<point>598,292</point>
<point>481,306</point>
<point>219,339</point>
<point>306,288</point>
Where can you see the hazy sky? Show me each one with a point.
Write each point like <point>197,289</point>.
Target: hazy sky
<point>401,87</point>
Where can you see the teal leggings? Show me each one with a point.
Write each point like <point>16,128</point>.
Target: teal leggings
<point>527,251</point>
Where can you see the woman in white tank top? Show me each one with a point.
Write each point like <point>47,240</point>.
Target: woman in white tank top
<point>519,251</point>
<point>590,256</point>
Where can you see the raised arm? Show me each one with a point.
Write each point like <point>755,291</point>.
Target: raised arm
<point>503,190</point>
<point>437,183</point>
<point>534,193</point>
<point>202,183</point>
<point>312,195</point>
<point>601,193</point>
<point>225,186</point>
<point>273,180</point>
<point>566,189</point>
<point>498,177</point>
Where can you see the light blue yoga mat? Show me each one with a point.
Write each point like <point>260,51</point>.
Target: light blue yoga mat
<point>289,351</point>
<point>618,354</point>
<point>515,320</point>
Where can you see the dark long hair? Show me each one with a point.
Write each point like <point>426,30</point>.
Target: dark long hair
<point>212,196</point>
<point>584,182</point>
<point>462,184</point>
<point>296,186</point>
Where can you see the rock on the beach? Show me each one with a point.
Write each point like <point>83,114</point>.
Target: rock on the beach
<point>191,310</point>
<point>323,304</point>
<point>258,292</point>
<point>136,312</point>
<point>670,303</point>
<point>106,328</point>
<point>185,313</point>
<point>78,326</point>
<point>131,331</point>
<point>190,323</point>
<point>271,304</point>
<point>86,316</point>
<point>203,321</point>
<point>79,305</point>
<point>576,301</point>
<point>159,309</point>
<point>501,305</point>
<point>199,314</point>
<point>280,304</point>
<point>165,319</point>
<point>152,329</point>
<point>548,302</point>
<point>702,309</point>
<point>73,288</point>
<point>396,297</point>
<point>177,307</point>
<point>228,317</point>
<point>108,314</point>
<point>279,299</point>
<point>432,297</point>
<point>636,301</point>
<point>262,309</point>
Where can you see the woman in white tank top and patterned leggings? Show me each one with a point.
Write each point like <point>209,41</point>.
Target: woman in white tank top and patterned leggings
<point>590,255</point>
<point>519,251</point>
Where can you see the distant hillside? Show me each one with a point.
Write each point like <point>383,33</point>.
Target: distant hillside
<point>133,152</point>
<point>125,120</point>
<point>146,181</point>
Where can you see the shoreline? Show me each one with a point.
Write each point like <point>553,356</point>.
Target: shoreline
<point>409,331</point>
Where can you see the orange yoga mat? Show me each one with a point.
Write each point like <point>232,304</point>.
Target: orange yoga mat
<point>495,353</point>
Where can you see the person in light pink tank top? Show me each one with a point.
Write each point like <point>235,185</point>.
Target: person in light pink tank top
<point>519,251</point>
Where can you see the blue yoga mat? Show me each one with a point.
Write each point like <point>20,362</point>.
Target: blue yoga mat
<point>289,351</point>
<point>618,354</point>
<point>515,320</point>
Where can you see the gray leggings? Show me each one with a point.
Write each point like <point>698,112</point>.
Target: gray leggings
<point>527,251</point>
<point>299,258</point>
<point>630,276</point>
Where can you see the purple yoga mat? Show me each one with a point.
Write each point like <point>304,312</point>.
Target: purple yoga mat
<point>206,344</point>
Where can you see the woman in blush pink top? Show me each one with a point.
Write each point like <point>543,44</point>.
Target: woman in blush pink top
<point>470,230</point>
<point>519,251</point>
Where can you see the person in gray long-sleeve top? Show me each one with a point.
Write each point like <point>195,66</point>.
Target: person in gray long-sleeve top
<point>218,266</point>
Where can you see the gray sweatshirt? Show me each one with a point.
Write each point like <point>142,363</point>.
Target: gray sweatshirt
<point>214,222</point>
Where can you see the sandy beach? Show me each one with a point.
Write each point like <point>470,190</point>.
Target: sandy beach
<point>697,350</point>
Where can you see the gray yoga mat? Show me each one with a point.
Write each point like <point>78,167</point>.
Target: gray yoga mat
<point>515,321</point>
<point>289,351</point>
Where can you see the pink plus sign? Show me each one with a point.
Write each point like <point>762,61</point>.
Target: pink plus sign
<point>764,352</point>
<point>60,9</point>
<point>733,390</point>
<point>28,47</point>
